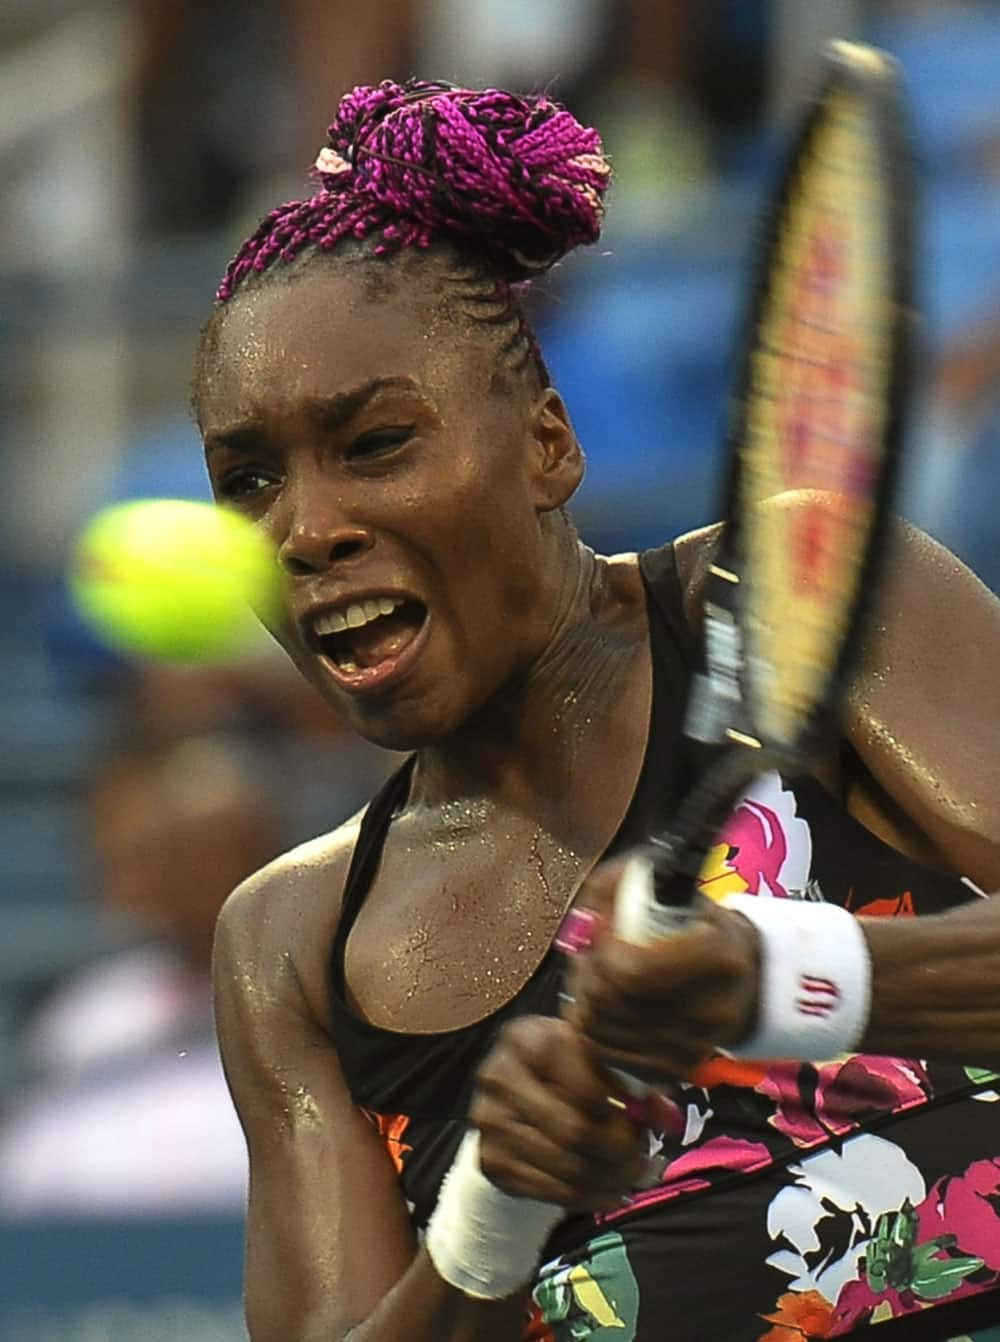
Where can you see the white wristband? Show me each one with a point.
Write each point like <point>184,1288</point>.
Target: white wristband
<point>815,992</point>
<point>480,1239</point>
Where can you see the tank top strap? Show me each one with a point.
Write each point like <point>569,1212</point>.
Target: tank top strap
<point>365,859</point>
<point>669,763</point>
<point>671,635</point>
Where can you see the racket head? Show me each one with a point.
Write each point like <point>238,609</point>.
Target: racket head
<point>817,419</point>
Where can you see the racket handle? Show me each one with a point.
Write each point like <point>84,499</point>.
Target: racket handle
<point>641,913</point>
<point>640,917</point>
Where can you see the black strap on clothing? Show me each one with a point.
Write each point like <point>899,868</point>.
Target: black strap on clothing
<point>365,860</point>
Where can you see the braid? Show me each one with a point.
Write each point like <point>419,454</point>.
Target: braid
<point>517,179</point>
<point>477,294</point>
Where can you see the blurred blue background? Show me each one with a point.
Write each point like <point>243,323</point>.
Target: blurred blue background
<point>139,142</point>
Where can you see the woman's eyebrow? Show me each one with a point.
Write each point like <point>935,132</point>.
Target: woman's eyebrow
<point>332,412</point>
<point>329,412</point>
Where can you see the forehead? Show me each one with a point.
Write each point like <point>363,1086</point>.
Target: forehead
<point>324,332</point>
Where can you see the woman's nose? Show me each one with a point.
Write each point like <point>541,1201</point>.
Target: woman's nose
<point>317,538</point>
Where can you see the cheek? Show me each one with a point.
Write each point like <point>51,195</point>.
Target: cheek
<point>492,530</point>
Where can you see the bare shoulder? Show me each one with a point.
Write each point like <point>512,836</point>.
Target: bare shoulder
<point>276,928</point>
<point>926,585</point>
<point>922,579</point>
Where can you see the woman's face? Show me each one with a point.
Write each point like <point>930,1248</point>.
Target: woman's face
<point>407,496</point>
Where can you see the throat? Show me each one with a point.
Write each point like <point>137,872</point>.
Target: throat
<point>567,751</point>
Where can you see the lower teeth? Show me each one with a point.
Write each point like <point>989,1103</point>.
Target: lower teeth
<point>349,667</point>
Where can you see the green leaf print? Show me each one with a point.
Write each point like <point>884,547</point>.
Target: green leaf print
<point>933,1278</point>
<point>593,1299</point>
<point>894,1261</point>
<point>980,1075</point>
<point>889,1255</point>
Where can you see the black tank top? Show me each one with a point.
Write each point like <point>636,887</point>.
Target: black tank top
<point>428,1077</point>
<point>835,1194</point>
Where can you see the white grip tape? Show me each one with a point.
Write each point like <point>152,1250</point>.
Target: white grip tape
<point>481,1240</point>
<point>639,917</point>
<point>815,993</point>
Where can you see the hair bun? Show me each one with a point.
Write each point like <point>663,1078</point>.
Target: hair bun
<point>517,176</point>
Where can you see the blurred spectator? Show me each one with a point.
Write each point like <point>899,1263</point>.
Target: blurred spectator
<point>958,440</point>
<point>214,109</point>
<point>227,96</point>
<point>127,1109</point>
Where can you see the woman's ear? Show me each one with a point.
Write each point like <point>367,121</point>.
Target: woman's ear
<point>557,459</point>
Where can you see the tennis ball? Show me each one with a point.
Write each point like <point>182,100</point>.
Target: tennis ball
<point>174,580</point>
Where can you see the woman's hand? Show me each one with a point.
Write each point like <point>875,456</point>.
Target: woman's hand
<point>659,1011</point>
<point>552,1119</point>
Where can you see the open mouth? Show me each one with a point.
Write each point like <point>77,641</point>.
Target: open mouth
<point>367,641</point>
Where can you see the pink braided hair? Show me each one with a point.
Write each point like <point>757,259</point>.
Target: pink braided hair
<point>517,178</point>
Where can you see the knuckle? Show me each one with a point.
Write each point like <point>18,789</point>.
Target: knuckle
<point>574,1132</point>
<point>529,1036</point>
<point>480,1112</point>
<point>488,1074</point>
<point>630,979</point>
<point>496,1168</point>
<point>731,962</point>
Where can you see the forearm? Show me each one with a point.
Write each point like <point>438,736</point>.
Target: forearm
<point>371,1284</point>
<point>418,1307</point>
<point>936,985</point>
<point>421,1307</point>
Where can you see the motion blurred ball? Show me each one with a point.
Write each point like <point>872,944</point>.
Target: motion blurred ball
<point>174,580</point>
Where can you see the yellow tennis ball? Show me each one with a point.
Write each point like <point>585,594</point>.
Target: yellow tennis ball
<point>174,580</point>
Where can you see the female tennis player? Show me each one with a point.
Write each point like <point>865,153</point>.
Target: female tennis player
<point>440,1148</point>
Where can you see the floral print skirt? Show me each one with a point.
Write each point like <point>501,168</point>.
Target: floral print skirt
<point>876,1231</point>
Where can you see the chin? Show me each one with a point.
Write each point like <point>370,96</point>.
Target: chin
<point>402,729</point>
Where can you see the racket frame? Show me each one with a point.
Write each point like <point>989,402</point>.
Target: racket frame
<point>722,713</point>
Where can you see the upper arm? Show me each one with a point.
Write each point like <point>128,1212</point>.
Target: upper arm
<point>923,712</point>
<point>328,1233</point>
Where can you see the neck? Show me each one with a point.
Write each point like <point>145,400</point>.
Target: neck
<point>531,744</point>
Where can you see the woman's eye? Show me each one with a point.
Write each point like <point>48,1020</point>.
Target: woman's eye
<point>380,440</point>
<point>242,482</point>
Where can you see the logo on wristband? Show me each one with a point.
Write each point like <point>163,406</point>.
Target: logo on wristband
<point>817,996</point>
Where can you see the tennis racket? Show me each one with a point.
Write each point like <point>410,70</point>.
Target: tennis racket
<point>814,434</point>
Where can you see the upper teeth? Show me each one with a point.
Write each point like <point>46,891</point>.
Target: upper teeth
<point>357,614</point>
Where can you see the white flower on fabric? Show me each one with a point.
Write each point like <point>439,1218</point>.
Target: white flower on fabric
<point>697,1117</point>
<point>826,1219</point>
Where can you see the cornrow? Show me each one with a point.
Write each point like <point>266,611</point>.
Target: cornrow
<point>518,179</point>
<point>476,293</point>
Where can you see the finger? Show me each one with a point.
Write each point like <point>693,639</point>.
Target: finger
<point>608,1138</point>
<point>661,1063</point>
<point>506,1138</point>
<point>666,969</point>
<point>599,890</point>
<point>525,1180</point>
<point>703,983</point>
<point>535,1129</point>
<point>538,1049</point>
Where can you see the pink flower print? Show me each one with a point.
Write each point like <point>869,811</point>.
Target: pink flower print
<point>858,1304</point>
<point>813,1100</point>
<point>721,1153</point>
<point>968,1207</point>
<point>764,848</point>
<point>758,847</point>
<point>686,1174</point>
